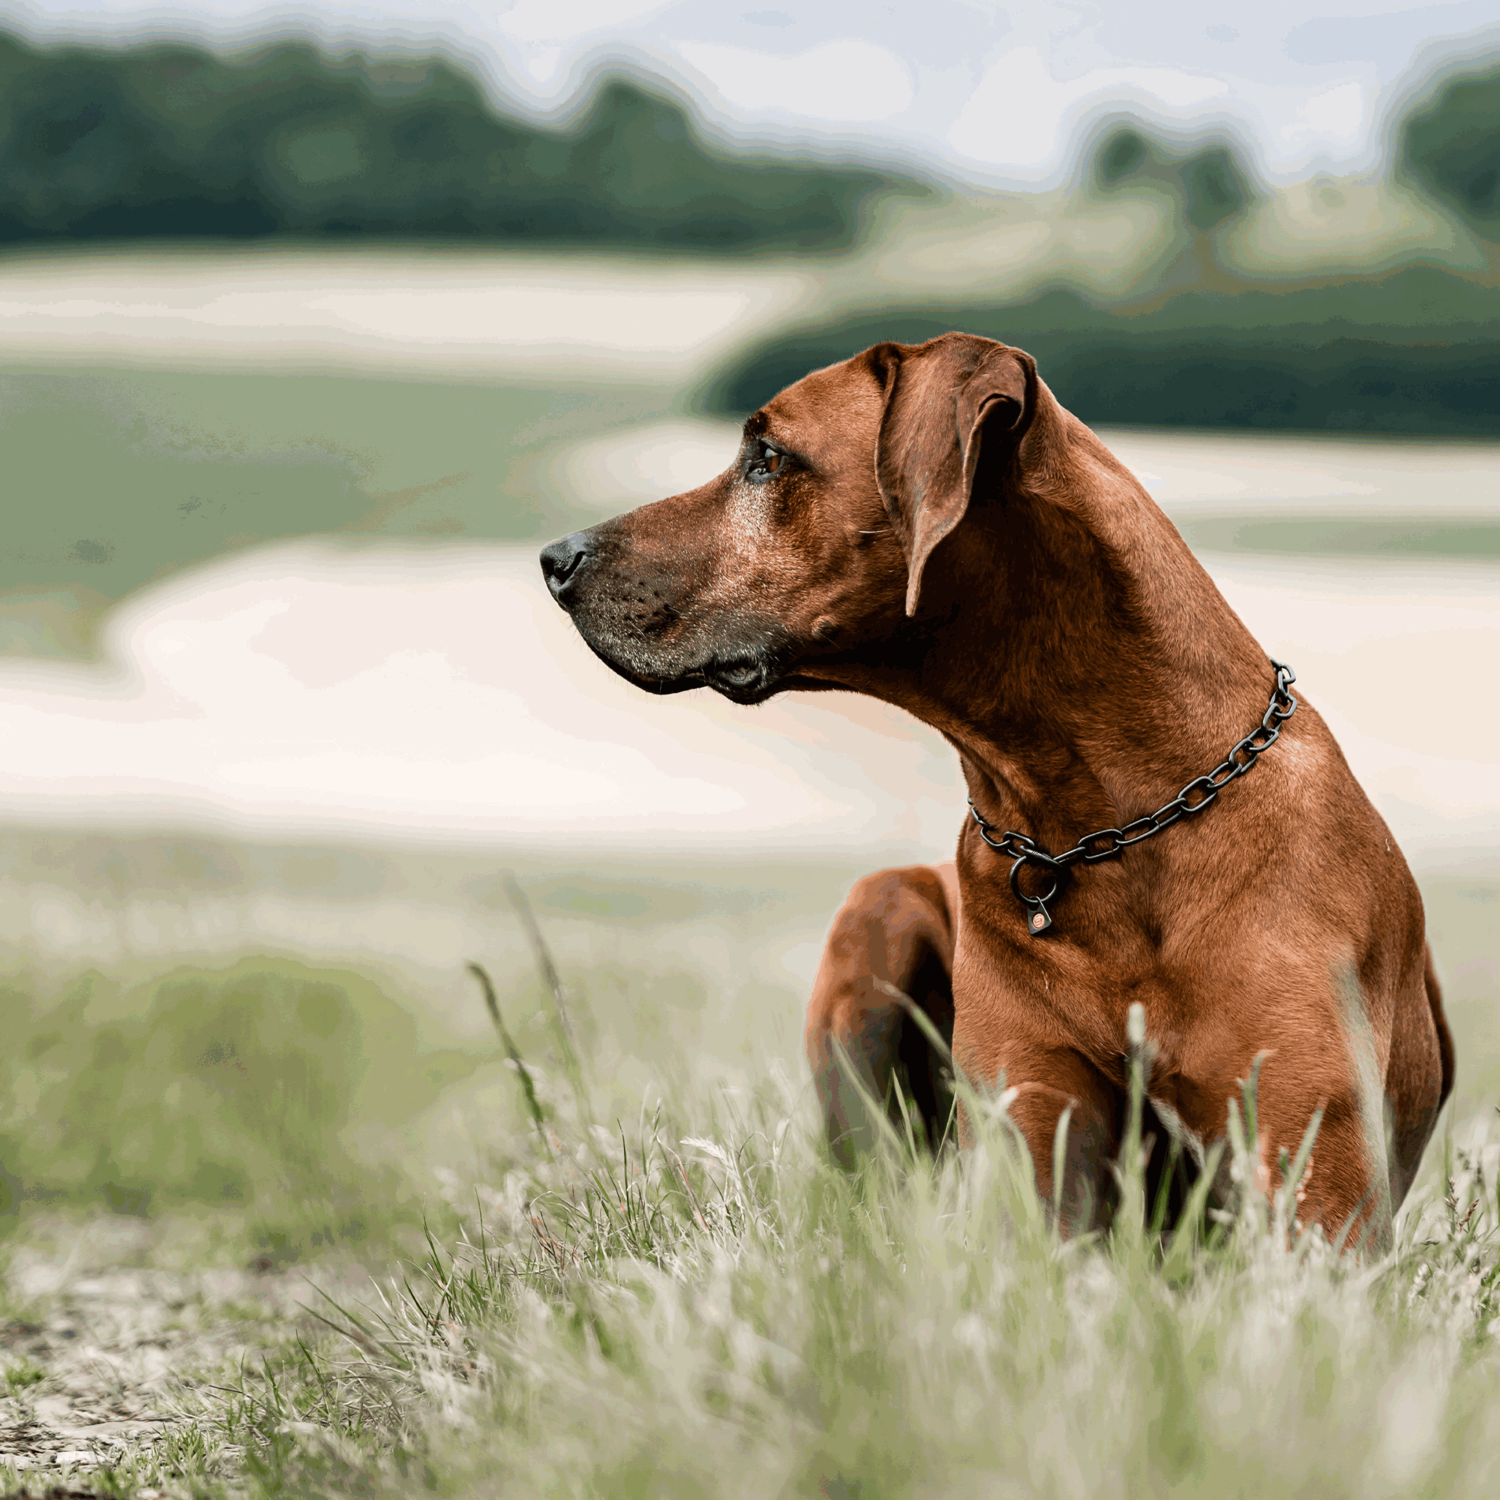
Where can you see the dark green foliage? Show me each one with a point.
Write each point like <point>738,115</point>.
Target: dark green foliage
<point>1215,187</point>
<point>1415,351</point>
<point>165,141</point>
<point>1209,181</point>
<point>1120,155</point>
<point>1451,146</point>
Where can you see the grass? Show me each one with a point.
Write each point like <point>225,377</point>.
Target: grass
<point>125,475</point>
<point>687,1299</point>
<point>657,1312</point>
<point>695,1303</point>
<point>244,1088</point>
<point>20,1374</point>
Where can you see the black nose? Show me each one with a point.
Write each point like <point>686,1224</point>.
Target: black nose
<point>562,562</point>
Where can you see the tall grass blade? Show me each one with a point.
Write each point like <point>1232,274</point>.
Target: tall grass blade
<point>874,1109</point>
<point>1060,1163</point>
<point>919,1016</point>
<point>551,980</point>
<point>533,1104</point>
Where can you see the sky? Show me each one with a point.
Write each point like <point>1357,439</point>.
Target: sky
<point>992,93</point>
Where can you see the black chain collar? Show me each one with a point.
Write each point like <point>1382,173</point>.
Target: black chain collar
<point>1107,843</point>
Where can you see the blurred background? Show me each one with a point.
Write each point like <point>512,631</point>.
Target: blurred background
<point>316,323</point>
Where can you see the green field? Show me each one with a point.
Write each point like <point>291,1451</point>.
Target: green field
<point>119,477</point>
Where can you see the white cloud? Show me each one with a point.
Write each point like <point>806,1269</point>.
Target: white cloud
<point>1335,122</point>
<point>545,64</point>
<point>561,20</point>
<point>1020,117</point>
<point>848,81</point>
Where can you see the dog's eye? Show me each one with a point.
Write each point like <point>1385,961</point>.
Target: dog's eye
<point>764,461</point>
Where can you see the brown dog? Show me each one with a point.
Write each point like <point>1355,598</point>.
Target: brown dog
<point>925,524</point>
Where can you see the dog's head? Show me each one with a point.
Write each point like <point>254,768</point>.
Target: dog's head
<point>809,551</point>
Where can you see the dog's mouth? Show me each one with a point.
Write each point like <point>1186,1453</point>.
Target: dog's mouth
<point>747,677</point>
<point>744,679</point>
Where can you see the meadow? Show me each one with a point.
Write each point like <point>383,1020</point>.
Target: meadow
<point>285,1209</point>
<point>295,1227</point>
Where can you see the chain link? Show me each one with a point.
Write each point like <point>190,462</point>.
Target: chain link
<point>1109,843</point>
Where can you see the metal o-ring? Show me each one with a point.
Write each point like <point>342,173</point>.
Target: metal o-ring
<point>1031,901</point>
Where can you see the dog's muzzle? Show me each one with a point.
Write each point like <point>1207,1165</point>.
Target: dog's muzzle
<point>645,641</point>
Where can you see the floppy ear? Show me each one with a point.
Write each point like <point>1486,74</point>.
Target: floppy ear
<point>941,400</point>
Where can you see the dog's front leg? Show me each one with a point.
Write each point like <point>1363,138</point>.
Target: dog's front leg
<point>1321,1074</point>
<point>1041,1085</point>
<point>1345,1186</point>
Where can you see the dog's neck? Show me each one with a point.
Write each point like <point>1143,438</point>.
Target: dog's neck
<point>1121,672</point>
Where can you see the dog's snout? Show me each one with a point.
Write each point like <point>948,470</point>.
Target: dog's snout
<point>562,562</point>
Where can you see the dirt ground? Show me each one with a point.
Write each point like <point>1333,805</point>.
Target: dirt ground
<point>106,1349</point>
